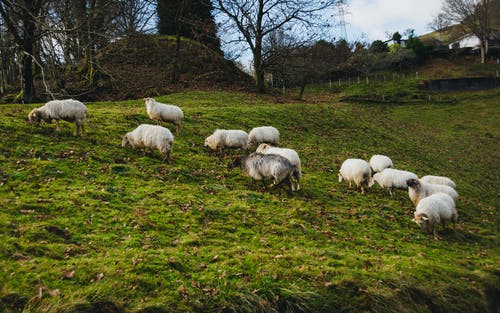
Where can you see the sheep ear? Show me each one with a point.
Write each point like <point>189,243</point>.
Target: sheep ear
<point>425,218</point>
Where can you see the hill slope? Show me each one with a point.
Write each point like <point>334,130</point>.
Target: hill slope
<point>141,65</point>
<point>86,224</point>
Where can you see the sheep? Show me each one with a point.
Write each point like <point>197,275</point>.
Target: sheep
<point>69,110</point>
<point>392,178</point>
<point>417,190</point>
<point>262,166</point>
<point>357,171</point>
<point>435,209</point>
<point>290,154</point>
<point>441,180</point>
<point>150,136</point>
<point>379,162</point>
<point>264,134</point>
<point>164,112</point>
<point>227,138</point>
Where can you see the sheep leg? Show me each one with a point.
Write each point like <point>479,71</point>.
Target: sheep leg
<point>177,128</point>
<point>391,192</point>
<point>57,126</point>
<point>362,190</point>
<point>167,157</point>
<point>82,129</point>
<point>436,237</point>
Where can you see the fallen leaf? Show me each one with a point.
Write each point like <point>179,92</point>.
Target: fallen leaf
<point>54,293</point>
<point>97,277</point>
<point>68,274</point>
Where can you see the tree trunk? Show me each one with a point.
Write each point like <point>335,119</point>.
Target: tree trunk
<point>482,48</point>
<point>27,58</point>
<point>258,71</point>
<point>302,88</point>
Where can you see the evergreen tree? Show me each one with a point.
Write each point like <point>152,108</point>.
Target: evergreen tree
<point>188,18</point>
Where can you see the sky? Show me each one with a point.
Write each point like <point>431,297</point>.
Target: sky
<point>374,18</point>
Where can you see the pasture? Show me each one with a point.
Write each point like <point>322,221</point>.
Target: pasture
<point>89,226</point>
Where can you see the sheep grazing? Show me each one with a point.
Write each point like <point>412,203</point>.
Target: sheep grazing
<point>289,154</point>
<point>266,166</point>
<point>67,110</point>
<point>227,138</point>
<point>161,112</point>
<point>433,210</point>
<point>380,162</point>
<point>440,180</point>
<point>391,178</point>
<point>418,190</point>
<point>264,134</point>
<point>357,171</point>
<point>152,137</point>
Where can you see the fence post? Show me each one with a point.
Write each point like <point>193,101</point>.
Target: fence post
<point>330,83</point>
<point>416,75</point>
<point>339,82</point>
<point>358,79</point>
<point>367,81</point>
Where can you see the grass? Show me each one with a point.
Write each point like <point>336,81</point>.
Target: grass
<point>86,225</point>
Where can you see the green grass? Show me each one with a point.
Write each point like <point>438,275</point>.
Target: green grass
<point>191,236</point>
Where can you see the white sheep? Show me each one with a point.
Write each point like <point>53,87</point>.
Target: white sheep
<point>227,138</point>
<point>67,110</point>
<point>392,178</point>
<point>266,166</point>
<point>417,190</point>
<point>357,171</point>
<point>441,180</point>
<point>433,210</point>
<point>290,154</point>
<point>152,137</point>
<point>264,134</point>
<point>380,162</point>
<point>164,112</point>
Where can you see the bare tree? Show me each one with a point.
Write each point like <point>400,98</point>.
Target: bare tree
<point>135,15</point>
<point>21,18</point>
<point>472,15</point>
<point>254,20</point>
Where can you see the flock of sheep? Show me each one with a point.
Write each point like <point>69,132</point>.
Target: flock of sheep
<point>433,196</point>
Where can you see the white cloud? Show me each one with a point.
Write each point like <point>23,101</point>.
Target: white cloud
<point>376,17</point>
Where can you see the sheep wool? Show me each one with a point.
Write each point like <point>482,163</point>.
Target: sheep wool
<point>440,180</point>
<point>69,110</point>
<point>265,166</point>
<point>227,138</point>
<point>357,171</point>
<point>392,178</point>
<point>380,162</point>
<point>264,134</point>
<point>433,210</point>
<point>289,154</point>
<point>152,137</point>
<point>418,190</point>
<point>161,112</point>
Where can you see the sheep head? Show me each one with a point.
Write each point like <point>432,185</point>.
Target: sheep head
<point>422,221</point>
<point>125,140</point>
<point>149,101</point>
<point>412,183</point>
<point>262,148</point>
<point>35,117</point>
<point>372,180</point>
<point>234,163</point>
<point>210,142</point>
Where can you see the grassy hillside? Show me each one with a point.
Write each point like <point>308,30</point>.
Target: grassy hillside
<point>89,226</point>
